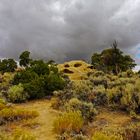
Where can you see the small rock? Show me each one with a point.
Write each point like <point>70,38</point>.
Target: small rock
<point>9,105</point>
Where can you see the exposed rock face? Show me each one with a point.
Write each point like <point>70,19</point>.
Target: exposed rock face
<point>76,69</point>
<point>68,71</point>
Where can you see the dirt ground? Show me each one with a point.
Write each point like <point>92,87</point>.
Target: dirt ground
<point>42,126</point>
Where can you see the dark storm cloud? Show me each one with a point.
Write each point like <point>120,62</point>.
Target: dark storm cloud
<point>68,29</point>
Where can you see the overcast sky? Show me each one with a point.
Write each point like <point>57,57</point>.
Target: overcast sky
<point>68,29</point>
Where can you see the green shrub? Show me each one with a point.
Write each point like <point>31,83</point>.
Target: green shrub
<point>8,65</point>
<point>99,73</point>
<point>35,88</point>
<point>7,77</point>
<point>82,90</point>
<point>122,74</point>
<point>16,94</point>
<point>40,79</point>
<point>24,76</point>
<point>66,94</point>
<point>114,95</point>
<point>128,101</point>
<point>128,73</point>
<point>70,122</point>
<point>6,80</point>
<point>87,110</point>
<point>99,95</point>
<point>53,82</point>
<point>39,67</point>
<point>73,103</point>
<point>125,81</point>
<point>99,81</point>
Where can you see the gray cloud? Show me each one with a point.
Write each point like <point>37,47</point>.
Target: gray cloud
<point>68,29</point>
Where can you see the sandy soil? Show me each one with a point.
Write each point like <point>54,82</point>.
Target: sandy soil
<point>45,120</point>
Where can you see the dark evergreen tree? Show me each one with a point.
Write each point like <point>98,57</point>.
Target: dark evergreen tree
<point>24,59</point>
<point>8,65</point>
<point>112,60</point>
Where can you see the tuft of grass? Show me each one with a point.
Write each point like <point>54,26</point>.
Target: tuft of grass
<point>71,121</point>
<point>23,135</point>
<point>18,135</point>
<point>30,123</point>
<point>11,114</point>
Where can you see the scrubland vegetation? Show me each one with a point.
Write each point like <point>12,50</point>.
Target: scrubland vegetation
<point>80,93</point>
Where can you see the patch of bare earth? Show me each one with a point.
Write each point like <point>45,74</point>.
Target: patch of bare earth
<point>43,131</point>
<point>109,120</point>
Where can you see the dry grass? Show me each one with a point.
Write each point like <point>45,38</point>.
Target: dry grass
<point>115,118</point>
<point>109,120</point>
<point>42,126</point>
<point>71,121</point>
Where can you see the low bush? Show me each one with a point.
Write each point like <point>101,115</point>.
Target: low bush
<point>66,94</point>
<point>128,100</point>
<point>6,80</point>
<point>87,110</point>
<point>82,90</point>
<point>35,88</point>
<point>99,94</point>
<point>7,77</point>
<point>53,82</point>
<point>16,94</point>
<point>98,73</point>
<point>99,81</point>
<point>24,76</point>
<point>69,122</point>
<point>114,95</point>
<point>40,79</point>
<point>137,85</point>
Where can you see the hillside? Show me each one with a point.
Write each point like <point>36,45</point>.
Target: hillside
<point>93,104</point>
<point>76,69</point>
